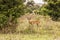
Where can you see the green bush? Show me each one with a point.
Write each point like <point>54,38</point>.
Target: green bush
<point>10,10</point>
<point>52,8</point>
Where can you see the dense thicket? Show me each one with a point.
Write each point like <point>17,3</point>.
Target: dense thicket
<point>52,8</point>
<point>9,11</point>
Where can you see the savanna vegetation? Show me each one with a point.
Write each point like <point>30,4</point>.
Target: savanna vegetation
<point>19,21</point>
<point>10,10</point>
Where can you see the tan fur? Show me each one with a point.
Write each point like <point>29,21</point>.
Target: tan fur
<point>34,22</point>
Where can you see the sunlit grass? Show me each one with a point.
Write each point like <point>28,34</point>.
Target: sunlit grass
<point>27,37</point>
<point>46,30</point>
<point>46,25</point>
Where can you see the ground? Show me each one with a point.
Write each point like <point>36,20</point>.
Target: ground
<point>46,30</point>
<point>28,37</point>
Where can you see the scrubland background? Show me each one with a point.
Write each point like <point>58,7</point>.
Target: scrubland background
<point>15,19</point>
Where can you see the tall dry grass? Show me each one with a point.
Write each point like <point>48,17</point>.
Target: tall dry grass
<point>46,24</point>
<point>45,30</point>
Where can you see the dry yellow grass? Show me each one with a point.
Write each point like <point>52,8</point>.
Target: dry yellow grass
<point>46,25</point>
<point>28,37</point>
<point>46,30</point>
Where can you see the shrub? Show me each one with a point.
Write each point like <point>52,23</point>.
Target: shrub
<point>52,9</point>
<point>9,11</point>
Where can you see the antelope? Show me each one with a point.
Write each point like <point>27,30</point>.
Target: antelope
<point>31,21</point>
<point>34,22</point>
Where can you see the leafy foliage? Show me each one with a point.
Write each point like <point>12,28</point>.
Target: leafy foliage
<point>30,7</point>
<point>10,10</point>
<point>52,8</point>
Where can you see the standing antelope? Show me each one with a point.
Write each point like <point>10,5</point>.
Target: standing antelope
<point>31,21</point>
<point>34,22</point>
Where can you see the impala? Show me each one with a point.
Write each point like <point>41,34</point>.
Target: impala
<point>34,22</point>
